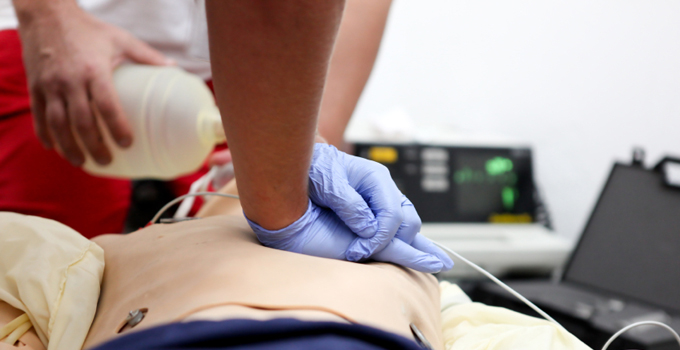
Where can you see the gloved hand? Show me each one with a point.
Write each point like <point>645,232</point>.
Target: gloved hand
<point>320,232</point>
<point>364,196</point>
<point>350,229</point>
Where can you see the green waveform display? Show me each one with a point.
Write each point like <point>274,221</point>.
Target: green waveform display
<point>498,165</point>
<point>468,175</point>
<point>497,175</point>
<point>509,195</point>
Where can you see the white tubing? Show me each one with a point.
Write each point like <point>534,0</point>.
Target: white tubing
<point>200,185</point>
<point>170,203</point>
<point>500,283</point>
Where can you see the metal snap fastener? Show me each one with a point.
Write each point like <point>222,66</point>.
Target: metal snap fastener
<point>134,317</point>
<point>420,338</point>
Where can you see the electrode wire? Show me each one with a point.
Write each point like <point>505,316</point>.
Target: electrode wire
<point>180,198</point>
<point>630,326</point>
<point>500,283</point>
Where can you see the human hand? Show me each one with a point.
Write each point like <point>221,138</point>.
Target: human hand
<point>364,196</point>
<point>70,57</point>
<point>320,232</point>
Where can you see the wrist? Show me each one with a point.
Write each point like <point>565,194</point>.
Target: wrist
<point>29,12</point>
<point>273,214</point>
<point>318,138</point>
<point>282,238</point>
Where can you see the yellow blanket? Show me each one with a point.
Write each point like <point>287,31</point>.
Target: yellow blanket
<point>53,274</point>
<point>474,326</point>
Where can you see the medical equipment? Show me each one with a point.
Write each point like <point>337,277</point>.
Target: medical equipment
<point>451,182</point>
<point>621,271</point>
<point>473,193</point>
<point>174,120</point>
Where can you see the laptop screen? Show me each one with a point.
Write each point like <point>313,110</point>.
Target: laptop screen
<point>631,244</point>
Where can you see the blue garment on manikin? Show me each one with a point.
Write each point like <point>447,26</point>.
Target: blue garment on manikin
<point>280,334</point>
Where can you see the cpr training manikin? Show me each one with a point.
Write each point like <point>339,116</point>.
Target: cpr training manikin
<point>215,269</point>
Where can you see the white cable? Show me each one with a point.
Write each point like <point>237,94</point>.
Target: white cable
<point>498,282</point>
<point>165,207</point>
<point>624,329</point>
<point>200,185</point>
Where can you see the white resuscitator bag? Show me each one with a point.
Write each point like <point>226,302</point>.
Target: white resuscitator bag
<point>174,120</point>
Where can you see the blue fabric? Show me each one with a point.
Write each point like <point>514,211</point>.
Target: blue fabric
<point>280,334</point>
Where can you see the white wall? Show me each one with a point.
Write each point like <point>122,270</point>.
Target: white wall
<point>582,81</point>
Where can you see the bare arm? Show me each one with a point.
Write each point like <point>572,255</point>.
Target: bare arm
<point>269,61</point>
<point>356,49</point>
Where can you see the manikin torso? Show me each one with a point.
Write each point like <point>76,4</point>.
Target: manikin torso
<point>214,268</point>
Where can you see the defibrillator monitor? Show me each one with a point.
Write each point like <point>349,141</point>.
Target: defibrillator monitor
<point>461,184</point>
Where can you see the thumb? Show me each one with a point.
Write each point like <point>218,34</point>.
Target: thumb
<point>140,52</point>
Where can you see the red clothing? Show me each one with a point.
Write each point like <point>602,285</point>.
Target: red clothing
<point>39,182</point>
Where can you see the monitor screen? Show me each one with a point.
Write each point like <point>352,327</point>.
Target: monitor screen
<point>493,185</point>
<point>487,185</point>
<point>461,184</point>
<point>631,244</point>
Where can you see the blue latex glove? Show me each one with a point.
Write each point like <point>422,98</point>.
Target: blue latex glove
<point>350,229</point>
<point>320,232</point>
<point>363,195</point>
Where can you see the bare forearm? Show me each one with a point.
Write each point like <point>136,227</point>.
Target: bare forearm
<point>269,61</point>
<point>355,52</point>
<point>28,11</point>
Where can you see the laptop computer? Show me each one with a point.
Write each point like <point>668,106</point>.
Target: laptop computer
<point>624,269</point>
